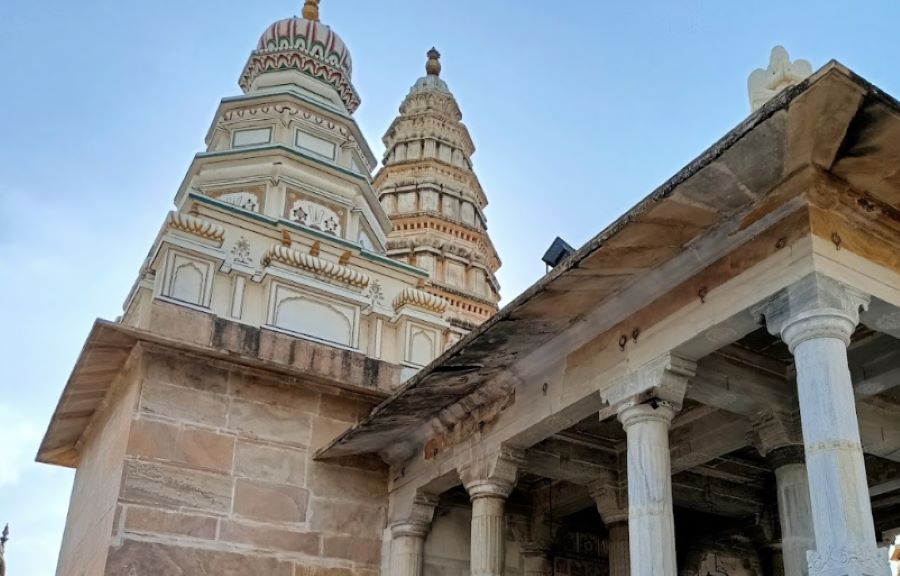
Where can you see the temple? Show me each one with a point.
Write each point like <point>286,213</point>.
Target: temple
<point>311,376</point>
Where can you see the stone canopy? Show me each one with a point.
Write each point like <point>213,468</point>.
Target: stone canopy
<point>832,131</point>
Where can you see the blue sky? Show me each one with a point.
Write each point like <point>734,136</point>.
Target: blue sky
<point>578,108</point>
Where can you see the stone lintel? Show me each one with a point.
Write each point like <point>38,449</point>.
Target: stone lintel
<point>492,475</point>
<point>816,306</point>
<point>663,380</point>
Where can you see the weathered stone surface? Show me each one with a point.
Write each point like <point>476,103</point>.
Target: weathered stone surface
<point>322,571</point>
<point>180,323</point>
<point>184,404</point>
<point>193,447</point>
<point>324,430</point>
<point>153,521</point>
<point>270,502</point>
<point>269,538</point>
<point>271,391</point>
<point>185,371</point>
<point>342,517</point>
<point>362,550</point>
<point>327,480</point>
<point>170,486</point>
<point>271,463</point>
<point>152,559</point>
<point>267,421</point>
<point>342,408</point>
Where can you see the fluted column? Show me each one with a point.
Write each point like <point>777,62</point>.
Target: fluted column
<point>408,548</point>
<point>651,524</point>
<point>611,499</point>
<point>489,481</point>
<point>488,555</point>
<point>794,509</point>
<point>816,318</point>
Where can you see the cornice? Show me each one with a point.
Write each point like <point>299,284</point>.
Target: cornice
<point>196,226</point>
<point>314,264</point>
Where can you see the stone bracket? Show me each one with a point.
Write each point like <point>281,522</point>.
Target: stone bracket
<point>663,379</point>
<point>493,474</point>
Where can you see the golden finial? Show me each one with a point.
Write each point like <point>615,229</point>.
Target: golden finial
<point>311,10</point>
<point>433,66</point>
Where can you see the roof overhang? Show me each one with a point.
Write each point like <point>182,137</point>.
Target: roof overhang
<point>834,121</point>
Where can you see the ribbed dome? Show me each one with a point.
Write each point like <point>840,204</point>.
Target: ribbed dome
<point>306,45</point>
<point>313,38</point>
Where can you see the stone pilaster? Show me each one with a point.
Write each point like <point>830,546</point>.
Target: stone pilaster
<point>816,318</point>
<point>408,537</point>
<point>651,524</point>
<point>489,481</point>
<point>536,561</point>
<point>611,499</point>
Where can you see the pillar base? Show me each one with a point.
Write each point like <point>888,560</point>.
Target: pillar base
<point>849,562</point>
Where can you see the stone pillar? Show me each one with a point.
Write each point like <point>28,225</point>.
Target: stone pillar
<point>794,509</point>
<point>537,561</point>
<point>816,318</point>
<point>779,440</point>
<point>651,524</point>
<point>611,499</point>
<point>408,548</point>
<point>489,481</point>
<point>408,534</point>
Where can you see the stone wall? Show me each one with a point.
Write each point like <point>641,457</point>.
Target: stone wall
<point>92,507</point>
<point>218,477</point>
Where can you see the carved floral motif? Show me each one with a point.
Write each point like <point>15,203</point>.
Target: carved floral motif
<point>245,200</point>
<point>241,252</point>
<point>316,216</point>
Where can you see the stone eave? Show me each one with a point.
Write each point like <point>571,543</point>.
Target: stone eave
<point>533,318</point>
<point>109,345</point>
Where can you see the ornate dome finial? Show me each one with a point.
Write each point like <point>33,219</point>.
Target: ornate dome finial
<point>311,10</point>
<point>433,66</point>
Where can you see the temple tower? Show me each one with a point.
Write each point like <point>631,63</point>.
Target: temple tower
<point>430,191</point>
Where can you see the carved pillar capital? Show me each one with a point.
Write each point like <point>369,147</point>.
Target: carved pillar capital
<point>774,430</point>
<point>663,381</point>
<point>610,495</point>
<point>814,307</point>
<point>632,414</point>
<point>493,475</point>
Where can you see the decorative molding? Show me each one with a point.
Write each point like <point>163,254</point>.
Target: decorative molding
<point>845,561</point>
<point>241,252</point>
<point>196,226</point>
<point>318,266</point>
<point>261,62</point>
<point>420,299</point>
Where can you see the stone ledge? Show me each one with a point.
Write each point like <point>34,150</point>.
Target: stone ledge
<point>187,332</point>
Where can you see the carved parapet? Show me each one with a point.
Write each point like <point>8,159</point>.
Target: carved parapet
<point>314,264</point>
<point>196,227</point>
<point>420,299</point>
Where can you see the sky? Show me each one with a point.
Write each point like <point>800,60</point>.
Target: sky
<point>578,108</point>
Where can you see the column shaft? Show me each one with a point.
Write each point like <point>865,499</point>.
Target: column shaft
<point>488,552</point>
<point>619,560</point>
<point>794,513</point>
<point>407,549</point>
<point>651,524</point>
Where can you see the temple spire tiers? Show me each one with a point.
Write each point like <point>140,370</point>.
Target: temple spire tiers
<point>816,318</point>
<point>432,195</point>
<point>489,481</point>
<point>780,443</point>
